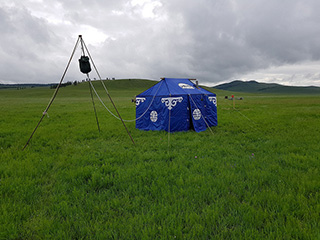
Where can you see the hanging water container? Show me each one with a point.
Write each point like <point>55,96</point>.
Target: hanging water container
<point>84,64</point>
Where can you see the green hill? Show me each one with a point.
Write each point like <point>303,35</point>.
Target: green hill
<point>256,87</point>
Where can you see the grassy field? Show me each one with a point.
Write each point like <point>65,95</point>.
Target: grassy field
<point>255,177</point>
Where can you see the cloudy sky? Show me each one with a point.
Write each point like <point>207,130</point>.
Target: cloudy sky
<point>213,41</point>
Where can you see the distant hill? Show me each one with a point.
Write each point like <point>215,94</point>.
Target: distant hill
<point>24,85</point>
<point>114,84</point>
<point>256,87</point>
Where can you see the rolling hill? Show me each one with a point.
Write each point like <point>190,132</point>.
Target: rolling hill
<point>256,87</point>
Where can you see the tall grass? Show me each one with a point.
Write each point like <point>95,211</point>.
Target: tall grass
<point>256,177</point>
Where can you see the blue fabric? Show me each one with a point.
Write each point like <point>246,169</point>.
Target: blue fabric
<point>198,112</point>
<point>171,86</point>
<point>211,110</point>
<point>175,104</point>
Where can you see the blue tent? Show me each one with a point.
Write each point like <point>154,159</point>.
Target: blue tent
<point>176,104</point>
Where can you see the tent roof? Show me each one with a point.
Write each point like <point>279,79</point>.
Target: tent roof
<point>174,86</point>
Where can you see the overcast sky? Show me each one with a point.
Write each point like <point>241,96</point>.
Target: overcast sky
<point>213,41</point>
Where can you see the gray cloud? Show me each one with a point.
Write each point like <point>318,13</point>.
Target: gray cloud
<point>213,41</point>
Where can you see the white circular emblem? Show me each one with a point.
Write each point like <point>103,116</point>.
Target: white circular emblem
<point>153,116</point>
<point>196,114</point>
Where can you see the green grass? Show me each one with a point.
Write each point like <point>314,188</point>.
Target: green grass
<point>256,177</point>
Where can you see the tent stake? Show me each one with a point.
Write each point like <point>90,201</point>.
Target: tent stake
<point>169,133</point>
<point>234,104</point>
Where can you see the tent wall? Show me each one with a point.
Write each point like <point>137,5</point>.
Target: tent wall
<point>157,116</point>
<point>198,113</point>
<point>158,108</point>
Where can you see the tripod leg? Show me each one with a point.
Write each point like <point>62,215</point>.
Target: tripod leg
<point>94,106</point>
<point>54,94</point>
